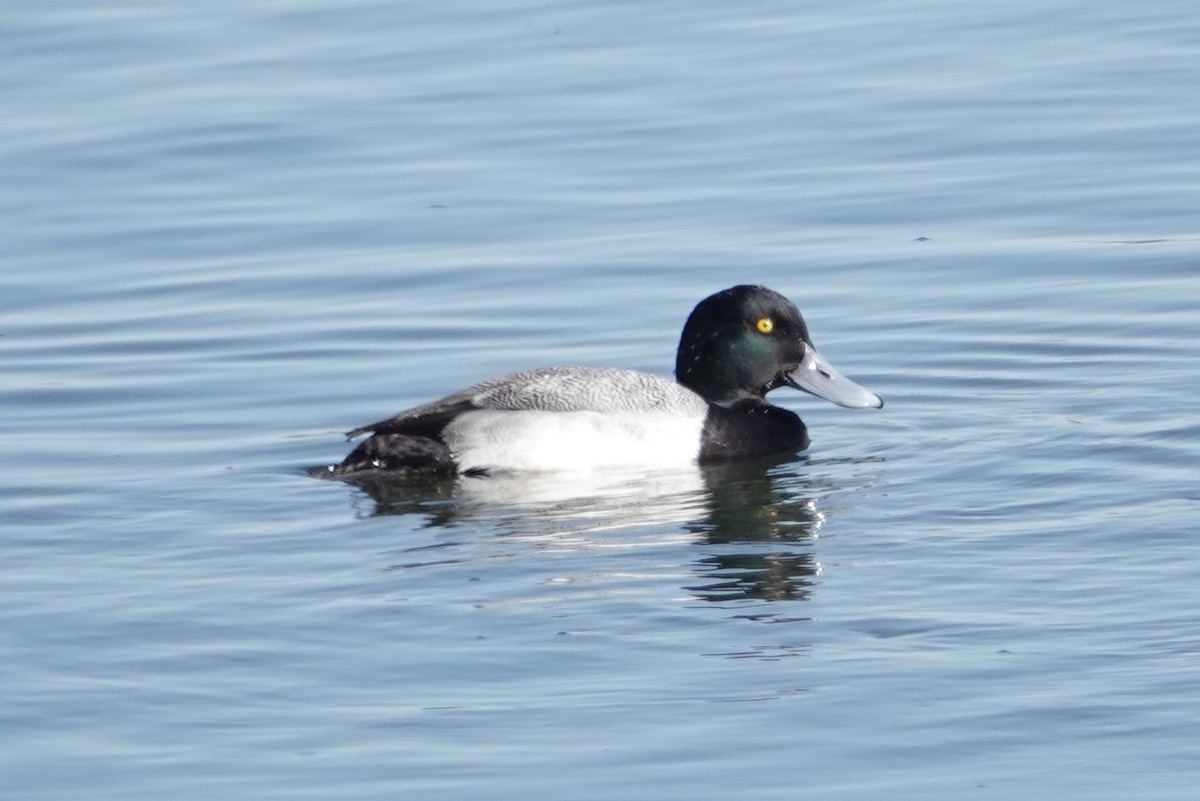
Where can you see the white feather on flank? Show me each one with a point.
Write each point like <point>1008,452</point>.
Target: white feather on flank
<point>579,440</point>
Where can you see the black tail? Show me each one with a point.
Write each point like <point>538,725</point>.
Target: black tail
<point>380,454</point>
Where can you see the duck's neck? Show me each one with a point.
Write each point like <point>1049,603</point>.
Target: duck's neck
<point>727,397</point>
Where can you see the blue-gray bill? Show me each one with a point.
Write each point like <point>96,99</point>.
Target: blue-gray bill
<point>817,376</point>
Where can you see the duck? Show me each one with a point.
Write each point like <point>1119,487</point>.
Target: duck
<point>737,345</point>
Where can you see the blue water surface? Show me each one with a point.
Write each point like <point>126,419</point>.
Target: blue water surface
<point>233,231</point>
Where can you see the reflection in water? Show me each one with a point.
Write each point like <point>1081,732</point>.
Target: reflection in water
<point>764,577</point>
<point>760,502</point>
<point>755,520</point>
<point>543,503</point>
<point>762,521</point>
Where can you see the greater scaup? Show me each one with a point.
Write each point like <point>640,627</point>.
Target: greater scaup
<point>736,346</point>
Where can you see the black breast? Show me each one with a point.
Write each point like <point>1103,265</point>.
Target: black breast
<point>749,429</point>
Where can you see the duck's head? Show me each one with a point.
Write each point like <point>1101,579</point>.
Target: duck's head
<point>743,342</point>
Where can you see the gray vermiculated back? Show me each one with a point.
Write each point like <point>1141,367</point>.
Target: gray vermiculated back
<point>566,389</point>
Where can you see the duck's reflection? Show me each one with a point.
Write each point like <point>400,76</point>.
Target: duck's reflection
<point>756,520</point>
<point>764,577</point>
<point>760,523</point>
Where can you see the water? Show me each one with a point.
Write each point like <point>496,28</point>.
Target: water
<point>234,231</point>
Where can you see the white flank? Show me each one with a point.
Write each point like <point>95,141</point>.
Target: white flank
<point>578,440</point>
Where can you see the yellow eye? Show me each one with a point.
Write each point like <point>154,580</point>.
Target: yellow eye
<point>765,325</point>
